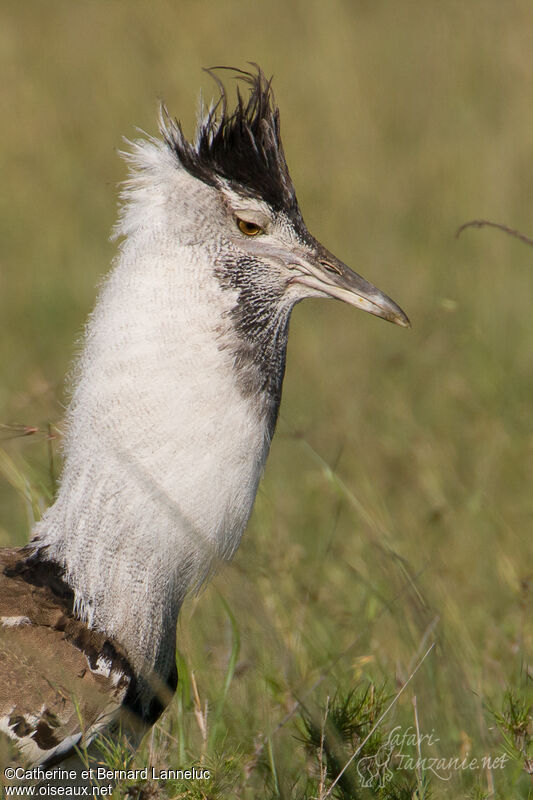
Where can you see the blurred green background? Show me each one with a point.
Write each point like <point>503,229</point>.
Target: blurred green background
<point>397,505</point>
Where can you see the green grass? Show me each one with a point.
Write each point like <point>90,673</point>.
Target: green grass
<point>396,508</point>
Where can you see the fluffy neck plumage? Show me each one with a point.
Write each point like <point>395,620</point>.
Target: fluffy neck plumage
<point>164,450</point>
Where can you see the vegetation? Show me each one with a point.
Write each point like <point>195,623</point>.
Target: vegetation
<point>396,507</point>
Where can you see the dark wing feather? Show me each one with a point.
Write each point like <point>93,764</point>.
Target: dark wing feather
<point>60,682</point>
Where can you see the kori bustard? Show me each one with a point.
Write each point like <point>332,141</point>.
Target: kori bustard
<point>174,405</point>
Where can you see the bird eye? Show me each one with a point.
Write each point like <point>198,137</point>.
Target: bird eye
<point>249,228</point>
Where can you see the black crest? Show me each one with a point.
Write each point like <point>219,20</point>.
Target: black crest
<point>242,146</point>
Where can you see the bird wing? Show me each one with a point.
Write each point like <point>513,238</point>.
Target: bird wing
<point>60,682</point>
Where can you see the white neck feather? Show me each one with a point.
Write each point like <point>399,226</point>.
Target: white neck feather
<point>163,454</point>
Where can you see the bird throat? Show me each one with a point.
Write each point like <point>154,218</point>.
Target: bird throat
<point>260,323</point>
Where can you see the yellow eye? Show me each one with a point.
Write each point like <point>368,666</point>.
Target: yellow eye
<point>249,228</point>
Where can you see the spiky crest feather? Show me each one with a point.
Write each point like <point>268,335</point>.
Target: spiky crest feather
<point>242,147</point>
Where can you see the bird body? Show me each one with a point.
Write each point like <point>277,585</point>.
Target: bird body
<point>175,400</point>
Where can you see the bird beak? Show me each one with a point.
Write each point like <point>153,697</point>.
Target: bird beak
<point>326,275</point>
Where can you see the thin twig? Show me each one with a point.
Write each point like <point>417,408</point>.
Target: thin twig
<point>201,715</point>
<point>379,721</point>
<point>51,466</point>
<point>15,430</point>
<point>322,767</point>
<point>482,223</point>
<point>427,633</point>
<point>418,766</point>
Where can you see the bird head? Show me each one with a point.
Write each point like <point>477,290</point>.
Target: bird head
<point>251,219</point>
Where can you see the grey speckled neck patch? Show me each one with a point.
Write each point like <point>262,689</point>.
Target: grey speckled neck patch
<point>260,320</point>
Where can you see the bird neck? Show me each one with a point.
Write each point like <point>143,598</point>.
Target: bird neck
<point>163,452</point>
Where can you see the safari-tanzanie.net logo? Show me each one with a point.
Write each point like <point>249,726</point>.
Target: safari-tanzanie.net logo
<point>413,751</point>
